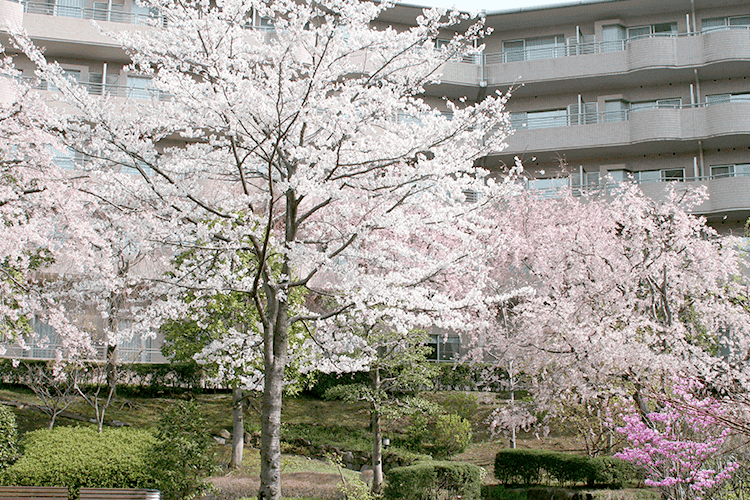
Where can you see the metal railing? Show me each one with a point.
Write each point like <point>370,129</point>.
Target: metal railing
<point>577,49</point>
<point>570,119</point>
<point>604,187</point>
<point>96,88</point>
<point>97,14</point>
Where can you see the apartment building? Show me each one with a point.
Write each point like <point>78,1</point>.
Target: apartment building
<point>602,90</point>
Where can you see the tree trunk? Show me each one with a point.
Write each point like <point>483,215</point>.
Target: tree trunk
<point>377,437</point>
<point>111,363</point>
<point>238,428</point>
<point>275,350</point>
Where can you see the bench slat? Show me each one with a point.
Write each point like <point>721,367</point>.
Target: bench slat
<point>118,494</point>
<point>37,492</point>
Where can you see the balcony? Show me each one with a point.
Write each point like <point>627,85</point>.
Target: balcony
<point>727,193</point>
<point>563,130</point>
<point>593,59</point>
<point>124,91</point>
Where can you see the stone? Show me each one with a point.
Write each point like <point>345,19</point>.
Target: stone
<point>220,440</point>
<point>225,434</point>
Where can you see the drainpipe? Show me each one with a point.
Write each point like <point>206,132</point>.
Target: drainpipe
<point>697,87</point>
<point>109,9</point>
<point>692,9</point>
<point>700,155</point>
<point>104,78</point>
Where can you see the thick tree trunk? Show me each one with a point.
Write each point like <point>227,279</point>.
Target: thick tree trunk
<point>275,347</point>
<point>377,437</point>
<point>238,428</point>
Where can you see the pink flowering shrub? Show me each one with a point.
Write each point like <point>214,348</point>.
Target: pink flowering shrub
<point>678,445</point>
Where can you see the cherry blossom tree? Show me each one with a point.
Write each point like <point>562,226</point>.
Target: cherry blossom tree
<point>311,149</point>
<point>679,445</point>
<point>623,290</point>
<point>44,216</point>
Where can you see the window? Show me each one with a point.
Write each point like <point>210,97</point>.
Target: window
<point>67,158</point>
<point>672,103</point>
<point>722,23</point>
<point>539,119</point>
<point>645,176</point>
<point>545,47</point>
<point>614,37</point>
<point>140,87</point>
<point>70,74</point>
<point>69,8</point>
<point>471,196</point>
<point>661,29</point>
<point>737,170</point>
<point>724,98</point>
<point>549,188</point>
<point>443,348</point>
<point>584,114</point>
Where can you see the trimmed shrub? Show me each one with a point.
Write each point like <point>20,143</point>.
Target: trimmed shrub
<point>8,437</point>
<point>499,492</point>
<point>519,466</point>
<point>531,466</point>
<point>79,457</point>
<point>184,453</point>
<point>434,480</point>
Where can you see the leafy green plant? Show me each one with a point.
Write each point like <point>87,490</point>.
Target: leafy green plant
<point>499,492</point>
<point>434,480</point>
<point>183,455</point>
<point>79,457</point>
<point>463,404</point>
<point>440,435</point>
<point>451,434</point>
<point>8,437</point>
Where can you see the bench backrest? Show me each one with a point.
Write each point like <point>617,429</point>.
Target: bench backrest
<point>37,492</point>
<point>118,494</point>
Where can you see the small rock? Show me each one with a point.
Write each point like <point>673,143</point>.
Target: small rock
<point>225,434</point>
<point>220,440</point>
<point>348,457</point>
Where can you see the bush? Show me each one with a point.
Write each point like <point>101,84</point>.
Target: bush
<point>78,457</point>
<point>499,492</point>
<point>433,480</point>
<point>466,405</point>
<point>183,455</point>
<point>440,436</point>
<point>529,466</point>
<point>518,466</point>
<point>451,435</point>
<point>8,437</point>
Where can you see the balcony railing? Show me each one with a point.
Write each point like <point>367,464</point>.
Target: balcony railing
<point>567,183</point>
<point>96,88</point>
<point>589,118</point>
<point>97,14</point>
<point>577,49</point>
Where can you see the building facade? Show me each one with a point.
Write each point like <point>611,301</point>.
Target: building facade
<point>602,90</point>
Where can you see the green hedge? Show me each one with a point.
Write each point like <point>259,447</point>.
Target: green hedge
<point>8,437</point>
<point>433,480</point>
<point>79,457</point>
<point>532,466</point>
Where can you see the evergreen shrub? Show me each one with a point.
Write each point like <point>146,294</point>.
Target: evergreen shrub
<point>434,480</point>
<point>8,437</point>
<point>531,466</point>
<point>78,457</point>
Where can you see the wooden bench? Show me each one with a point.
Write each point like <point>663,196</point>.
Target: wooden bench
<point>118,494</point>
<point>39,492</point>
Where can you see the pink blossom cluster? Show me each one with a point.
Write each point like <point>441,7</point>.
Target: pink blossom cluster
<point>678,443</point>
